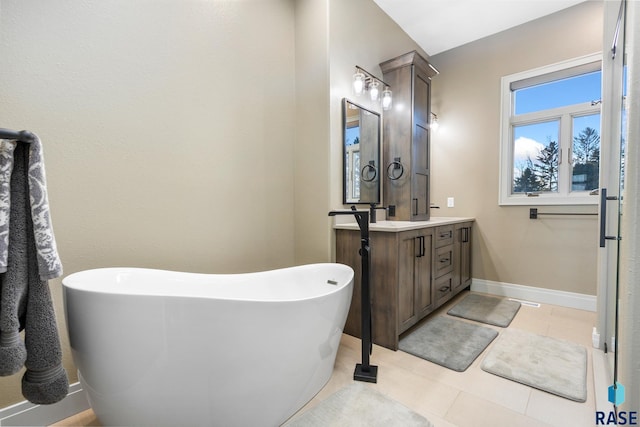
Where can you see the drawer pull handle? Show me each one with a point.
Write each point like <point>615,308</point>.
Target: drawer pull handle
<point>443,260</point>
<point>444,289</point>
<point>422,249</point>
<point>445,235</point>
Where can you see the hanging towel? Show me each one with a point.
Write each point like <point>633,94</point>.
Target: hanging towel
<point>25,300</point>
<point>49,264</point>
<point>6,167</point>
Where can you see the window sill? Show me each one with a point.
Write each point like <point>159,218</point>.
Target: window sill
<point>548,200</point>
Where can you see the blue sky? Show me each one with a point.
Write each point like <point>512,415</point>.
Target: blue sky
<point>531,138</point>
<point>351,134</point>
<point>574,90</point>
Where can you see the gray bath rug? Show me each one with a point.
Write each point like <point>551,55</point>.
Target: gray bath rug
<point>550,364</point>
<point>452,343</point>
<point>486,309</point>
<point>359,405</point>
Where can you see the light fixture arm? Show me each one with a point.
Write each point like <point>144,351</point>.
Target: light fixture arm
<point>370,77</point>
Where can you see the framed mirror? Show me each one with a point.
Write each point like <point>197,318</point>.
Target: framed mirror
<point>361,141</point>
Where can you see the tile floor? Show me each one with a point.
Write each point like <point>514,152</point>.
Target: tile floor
<point>472,398</point>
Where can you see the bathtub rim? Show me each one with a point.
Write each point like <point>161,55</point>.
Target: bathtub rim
<point>78,282</point>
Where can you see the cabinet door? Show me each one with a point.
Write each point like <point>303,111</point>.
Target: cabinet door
<point>423,275</point>
<point>415,290</point>
<point>465,256</point>
<point>420,149</point>
<point>462,256</point>
<point>409,251</point>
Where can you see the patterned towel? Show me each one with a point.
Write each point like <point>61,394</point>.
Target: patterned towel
<point>6,167</point>
<point>49,264</point>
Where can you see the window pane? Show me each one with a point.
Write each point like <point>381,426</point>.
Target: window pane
<point>585,153</point>
<point>356,175</point>
<point>559,93</point>
<point>535,157</point>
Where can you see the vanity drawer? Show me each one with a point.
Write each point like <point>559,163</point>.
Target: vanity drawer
<point>443,262</point>
<point>443,286</point>
<point>444,235</point>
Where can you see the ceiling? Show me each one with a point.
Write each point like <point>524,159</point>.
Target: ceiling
<point>439,25</point>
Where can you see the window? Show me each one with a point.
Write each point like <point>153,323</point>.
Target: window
<point>550,141</point>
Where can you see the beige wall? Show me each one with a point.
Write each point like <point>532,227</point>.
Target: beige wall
<point>555,253</point>
<point>311,147</point>
<point>332,37</point>
<point>360,34</point>
<point>168,130</point>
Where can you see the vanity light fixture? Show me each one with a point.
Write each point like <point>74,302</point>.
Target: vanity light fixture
<point>364,81</point>
<point>434,122</point>
<point>386,98</point>
<point>359,83</point>
<point>374,92</point>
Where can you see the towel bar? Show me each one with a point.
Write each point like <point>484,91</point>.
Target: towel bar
<point>18,135</point>
<point>533,213</point>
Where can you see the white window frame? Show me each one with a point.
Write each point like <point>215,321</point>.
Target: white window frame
<point>564,196</point>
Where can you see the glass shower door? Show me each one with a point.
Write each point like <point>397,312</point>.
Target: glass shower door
<point>611,194</point>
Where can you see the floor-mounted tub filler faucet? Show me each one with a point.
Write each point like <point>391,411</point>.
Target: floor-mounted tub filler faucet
<point>364,371</point>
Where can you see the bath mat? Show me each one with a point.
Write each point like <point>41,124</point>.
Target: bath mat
<point>486,309</point>
<point>359,405</point>
<point>452,343</point>
<point>550,364</point>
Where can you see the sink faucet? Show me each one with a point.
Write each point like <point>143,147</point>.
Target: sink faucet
<point>372,212</point>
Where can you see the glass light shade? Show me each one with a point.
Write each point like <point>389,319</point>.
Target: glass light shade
<point>386,99</point>
<point>434,123</point>
<point>374,92</point>
<point>358,83</point>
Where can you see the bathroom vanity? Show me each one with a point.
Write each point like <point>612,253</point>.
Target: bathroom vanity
<point>416,266</point>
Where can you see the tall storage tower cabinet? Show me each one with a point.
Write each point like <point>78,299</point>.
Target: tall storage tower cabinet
<point>406,136</point>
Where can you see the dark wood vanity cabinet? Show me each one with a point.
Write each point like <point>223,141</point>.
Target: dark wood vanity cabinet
<point>406,136</point>
<point>409,273</point>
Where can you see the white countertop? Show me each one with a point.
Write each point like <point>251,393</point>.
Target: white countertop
<point>397,226</point>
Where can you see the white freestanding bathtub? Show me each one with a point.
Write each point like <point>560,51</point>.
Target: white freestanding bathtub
<point>156,347</point>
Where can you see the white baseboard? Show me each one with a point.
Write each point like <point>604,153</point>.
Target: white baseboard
<point>541,295</point>
<point>28,414</point>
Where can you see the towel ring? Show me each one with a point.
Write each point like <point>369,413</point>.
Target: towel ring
<point>396,165</point>
<point>369,167</point>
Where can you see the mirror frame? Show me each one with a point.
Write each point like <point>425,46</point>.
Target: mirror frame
<point>378,152</point>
